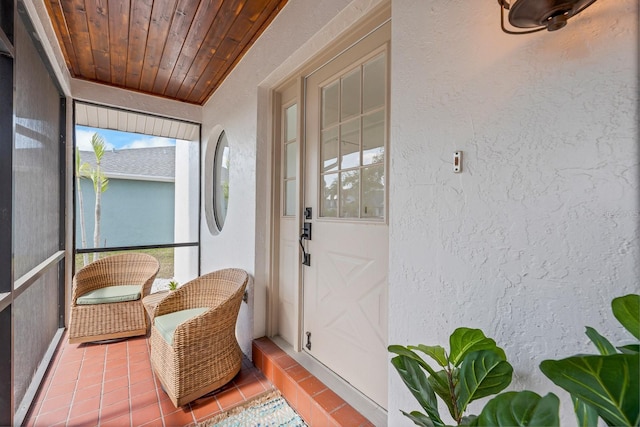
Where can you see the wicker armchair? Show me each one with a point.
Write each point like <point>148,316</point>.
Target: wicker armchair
<point>200,352</point>
<point>102,321</point>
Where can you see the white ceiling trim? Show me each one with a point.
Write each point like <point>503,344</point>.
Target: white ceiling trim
<point>128,121</point>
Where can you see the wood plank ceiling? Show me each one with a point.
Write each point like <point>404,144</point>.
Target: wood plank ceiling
<point>178,49</point>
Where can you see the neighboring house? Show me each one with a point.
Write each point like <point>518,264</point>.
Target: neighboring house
<point>530,242</point>
<point>138,206</point>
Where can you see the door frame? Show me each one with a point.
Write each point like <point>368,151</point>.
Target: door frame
<point>378,17</point>
<point>363,21</point>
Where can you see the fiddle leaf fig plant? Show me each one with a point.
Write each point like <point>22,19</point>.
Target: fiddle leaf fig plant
<point>604,385</point>
<point>524,408</point>
<point>475,367</point>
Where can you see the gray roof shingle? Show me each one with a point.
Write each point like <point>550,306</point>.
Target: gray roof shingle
<point>156,162</point>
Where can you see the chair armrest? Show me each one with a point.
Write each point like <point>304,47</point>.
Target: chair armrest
<point>169,304</point>
<point>205,327</point>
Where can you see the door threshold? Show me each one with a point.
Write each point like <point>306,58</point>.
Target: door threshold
<point>374,413</point>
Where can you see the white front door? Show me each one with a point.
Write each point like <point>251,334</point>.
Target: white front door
<point>345,185</point>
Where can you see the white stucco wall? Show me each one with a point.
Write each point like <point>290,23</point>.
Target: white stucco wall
<point>537,235</point>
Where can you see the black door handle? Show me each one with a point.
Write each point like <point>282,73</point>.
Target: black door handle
<point>306,235</point>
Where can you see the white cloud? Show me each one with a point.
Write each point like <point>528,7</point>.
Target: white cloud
<point>155,141</point>
<point>83,140</point>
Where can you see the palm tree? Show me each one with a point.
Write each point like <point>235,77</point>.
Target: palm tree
<point>100,184</point>
<point>82,171</point>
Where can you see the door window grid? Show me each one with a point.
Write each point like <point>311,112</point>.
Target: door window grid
<point>290,156</point>
<point>353,140</point>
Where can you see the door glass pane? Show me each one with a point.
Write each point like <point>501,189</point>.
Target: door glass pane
<point>374,83</point>
<point>373,138</point>
<point>350,144</point>
<point>291,122</point>
<point>373,191</point>
<point>290,154</point>
<point>351,94</point>
<point>330,150</point>
<point>290,160</point>
<point>329,203</point>
<point>350,194</point>
<point>330,104</point>
<point>290,198</point>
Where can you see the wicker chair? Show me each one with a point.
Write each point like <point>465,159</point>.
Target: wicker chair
<point>201,354</point>
<point>97,322</point>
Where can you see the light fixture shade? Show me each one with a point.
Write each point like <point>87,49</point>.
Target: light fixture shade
<point>551,14</point>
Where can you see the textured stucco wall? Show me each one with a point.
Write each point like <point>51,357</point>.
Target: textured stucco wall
<point>537,235</point>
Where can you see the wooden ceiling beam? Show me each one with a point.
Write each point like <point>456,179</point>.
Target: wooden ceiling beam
<point>78,30</point>
<point>203,21</point>
<point>180,25</point>
<point>98,25</point>
<point>138,32</point>
<point>161,18</point>
<point>119,14</point>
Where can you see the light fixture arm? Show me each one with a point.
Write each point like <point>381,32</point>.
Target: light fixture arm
<point>504,5</point>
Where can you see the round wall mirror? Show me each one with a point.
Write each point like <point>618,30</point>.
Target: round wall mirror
<point>217,162</point>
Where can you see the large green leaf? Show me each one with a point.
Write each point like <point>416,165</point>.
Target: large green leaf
<point>482,373</point>
<point>465,340</point>
<point>630,349</point>
<point>416,381</point>
<point>418,418</point>
<point>401,350</point>
<point>587,416</point>
<point>603,345</point>
<point>523,408</point>
<point>609,384</point>
<point>99,146</point>
<point>627,310</point>
<point>436,352</point>
<point>469,420</point>
<point>440,384</point>
<point>407,352</point>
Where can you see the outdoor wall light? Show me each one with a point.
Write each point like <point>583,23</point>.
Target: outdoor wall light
<point>540,14</point>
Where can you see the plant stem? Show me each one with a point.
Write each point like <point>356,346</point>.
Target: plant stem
<point>452,395</point>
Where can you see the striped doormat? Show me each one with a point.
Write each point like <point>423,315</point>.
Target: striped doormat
<point>270,410</point>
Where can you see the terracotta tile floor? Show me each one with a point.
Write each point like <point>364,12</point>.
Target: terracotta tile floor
<point>113,385</point>
<point>312,399</point>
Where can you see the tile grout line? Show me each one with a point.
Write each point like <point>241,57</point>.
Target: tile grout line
<point>45,396</point>
<point>129,382</point>
<point>104,374</point>
<point>75,388</point>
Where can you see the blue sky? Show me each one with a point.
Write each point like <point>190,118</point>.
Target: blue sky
<point>119,140</point>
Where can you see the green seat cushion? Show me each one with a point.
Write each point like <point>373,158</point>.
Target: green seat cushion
<point>167,323</point>
<point>111,294</point>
